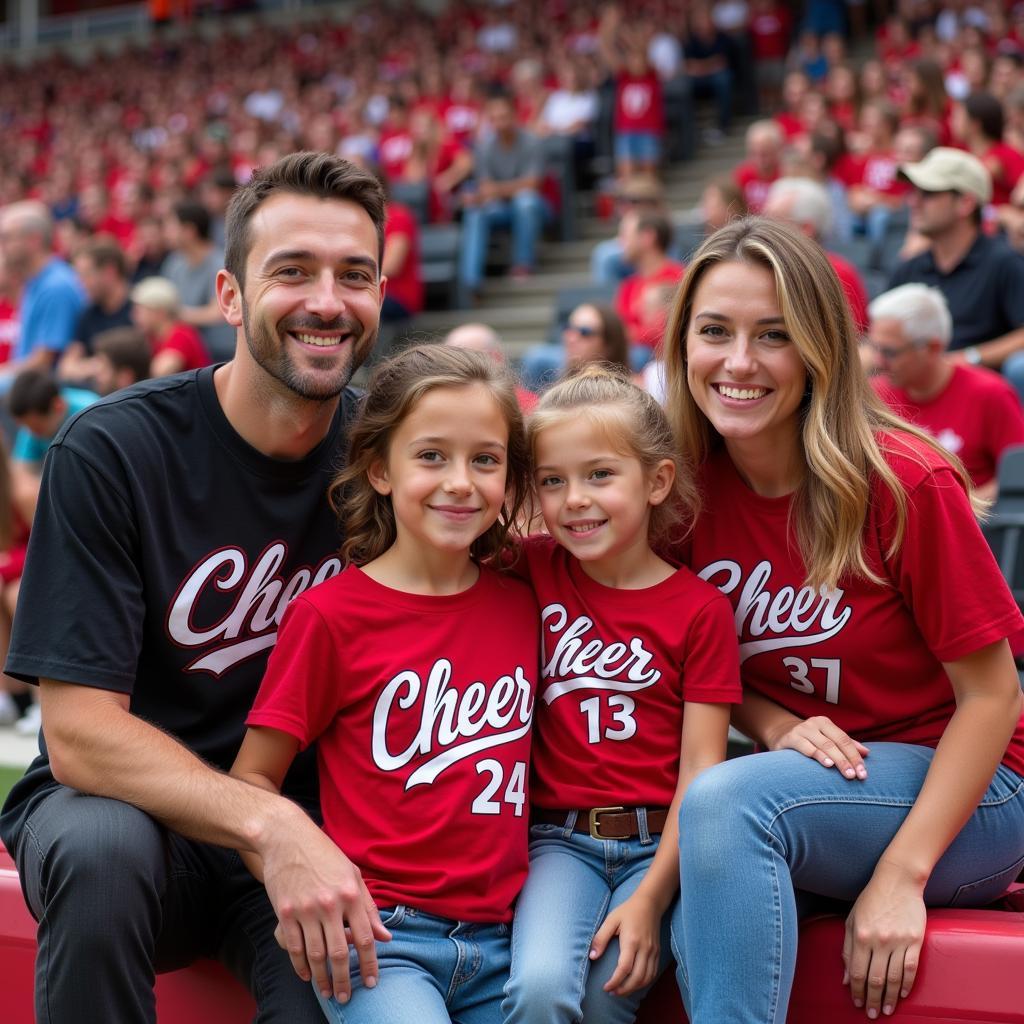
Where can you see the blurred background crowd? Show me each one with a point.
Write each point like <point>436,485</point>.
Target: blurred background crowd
<point>892,131</point>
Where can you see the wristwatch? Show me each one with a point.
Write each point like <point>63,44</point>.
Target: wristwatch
<point>973,355</point>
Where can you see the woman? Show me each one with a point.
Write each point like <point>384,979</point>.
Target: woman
<point>872,624</point>
<point>593,333</point>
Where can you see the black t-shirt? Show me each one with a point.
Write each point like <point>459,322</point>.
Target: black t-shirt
<point>984,291</point>
<point>94,320</point>
<point>162,556</point>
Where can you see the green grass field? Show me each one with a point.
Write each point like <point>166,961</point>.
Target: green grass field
<point>8,777</point>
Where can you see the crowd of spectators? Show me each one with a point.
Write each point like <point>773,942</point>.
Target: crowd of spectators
<point>908,167</point>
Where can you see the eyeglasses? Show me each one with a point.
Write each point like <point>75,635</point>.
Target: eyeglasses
<point>583,330</point>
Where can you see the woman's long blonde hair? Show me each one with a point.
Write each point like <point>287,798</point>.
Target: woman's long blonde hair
<point>367,518</point>
<point>842,420</point>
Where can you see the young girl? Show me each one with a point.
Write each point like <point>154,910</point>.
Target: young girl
<point>628,644</point>
<point>415,670</point>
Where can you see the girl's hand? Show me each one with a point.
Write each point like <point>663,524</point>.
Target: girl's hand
<point>821,739</point>
<point>884,934</point>
<point>637,923</point>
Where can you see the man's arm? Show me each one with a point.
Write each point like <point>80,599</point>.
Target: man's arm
<point>98,746</point>
<point>993,353</point>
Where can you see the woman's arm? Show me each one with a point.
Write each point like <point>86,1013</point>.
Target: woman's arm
<point>885,929</point>
<point>638,921</point>
<point>819,737</point>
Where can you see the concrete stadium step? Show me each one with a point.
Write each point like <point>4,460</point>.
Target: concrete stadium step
<point>545,284</point>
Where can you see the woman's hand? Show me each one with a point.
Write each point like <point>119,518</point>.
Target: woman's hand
<point>884,934</point>
<point>637,923</point>
<point>821,739</point>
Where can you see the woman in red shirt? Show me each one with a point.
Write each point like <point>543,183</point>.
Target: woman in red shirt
<point>877,675</point>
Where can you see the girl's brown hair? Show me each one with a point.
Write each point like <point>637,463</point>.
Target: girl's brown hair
<point>634,424</point>
<point>843,422</point>
<point>367,518</point>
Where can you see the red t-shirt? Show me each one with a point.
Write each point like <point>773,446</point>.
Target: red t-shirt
<point>406,286</point>
<point>878,171</point>
<point>755,186</point>
<point>638,104</point>
<point>629,303</point>
<point>791,124</point>
<point>617,666</point>
<point>393,152</point>
<point>9,329</point>
<point>422,709</point>
<point>1011,167</point>
<point>977,416</point>
<point>869,657</point>
<point>461,118</point>
<point>853,286</point>
<point>188,343</point>
<point>769,32</point>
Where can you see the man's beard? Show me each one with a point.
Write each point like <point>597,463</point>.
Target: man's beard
<point>270,351</point>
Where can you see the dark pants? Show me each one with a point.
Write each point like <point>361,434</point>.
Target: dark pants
<point>118,899</point>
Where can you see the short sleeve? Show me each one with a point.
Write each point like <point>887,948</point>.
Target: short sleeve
<point>711,671</point>
<point>80,608</point>
<point>28,447</point>
<point>299,694</point>
<point>947,574</point>
<point>1005,420</point>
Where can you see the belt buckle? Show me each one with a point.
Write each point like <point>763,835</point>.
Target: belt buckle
<point>595,828</point>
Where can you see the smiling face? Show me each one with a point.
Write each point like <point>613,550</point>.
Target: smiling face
<point>596,500</point>
<point>743,370</point>
<point>310,307</point>
<point>446,470</point>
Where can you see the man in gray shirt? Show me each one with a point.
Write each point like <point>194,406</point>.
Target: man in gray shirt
<point>192,266</point>
<point>509,170</point>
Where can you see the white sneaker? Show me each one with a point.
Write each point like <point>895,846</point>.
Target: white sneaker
<point>29,723</point>
<point>8,709</point>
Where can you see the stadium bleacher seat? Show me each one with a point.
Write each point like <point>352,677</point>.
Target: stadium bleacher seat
<point>569,298</point>
<point>1005,525</point>
<point>439,264</point>
<point>970,971</point>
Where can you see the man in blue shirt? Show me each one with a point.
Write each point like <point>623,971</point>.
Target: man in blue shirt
<point>39,408</point>
<point>53,297</point>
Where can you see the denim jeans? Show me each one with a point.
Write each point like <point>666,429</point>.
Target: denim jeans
<point>1013,371</point>
<point>433,971</point>
<point>758,832</point>
<point>119,898</point>
<point>523,215</point>
<point>608,265</point>
<point>574,881</point>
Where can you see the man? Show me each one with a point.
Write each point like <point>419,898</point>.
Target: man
<point>156,312</point>
<point>52,298</point>
<point>763,165</point>
<point>192,267</point>
<point>645,240</point>
<point>481,338</point>
<point>969,410</point>
<point>641,193</point>
<point>102,267</point>
<point>806,205</point>
<point>177,521</point>
<point>509,171</point>
<point>980,277</point>
<point>121,357</point>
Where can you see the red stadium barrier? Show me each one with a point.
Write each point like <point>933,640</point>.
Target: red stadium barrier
<point>970,972</point>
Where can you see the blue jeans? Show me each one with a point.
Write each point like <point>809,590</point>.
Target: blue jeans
<point>574,881</point>
<point>759,831</point>
<point>523,215</point>
<point>433,971</point>
<point>1013,371</point>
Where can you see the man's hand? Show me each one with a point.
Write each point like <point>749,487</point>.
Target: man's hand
<point>323,906</point>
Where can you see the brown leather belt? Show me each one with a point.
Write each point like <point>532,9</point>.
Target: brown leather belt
<point>605,822</point>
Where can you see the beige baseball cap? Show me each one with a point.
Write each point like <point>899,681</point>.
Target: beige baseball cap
<point>156,293</point>
<point>946,169</point>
